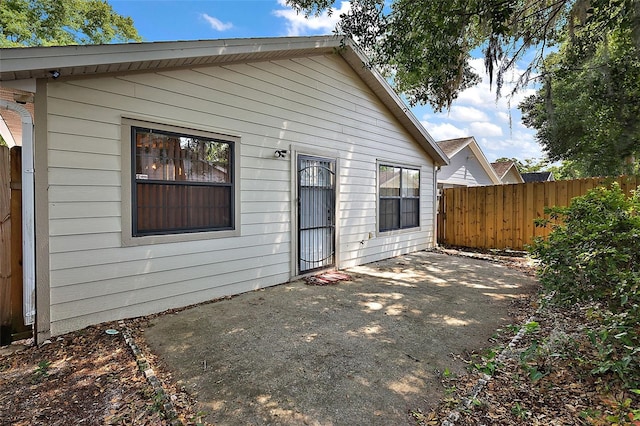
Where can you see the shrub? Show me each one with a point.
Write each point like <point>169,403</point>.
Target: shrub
<point>593,255</point>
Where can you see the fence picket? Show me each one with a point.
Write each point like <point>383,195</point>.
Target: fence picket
<point>502,216</point>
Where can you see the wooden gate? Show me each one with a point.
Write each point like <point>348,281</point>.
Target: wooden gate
<point>11,319</point>
<point>502,216</point>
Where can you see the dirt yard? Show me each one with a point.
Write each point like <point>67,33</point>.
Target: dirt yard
<point>364,351</point>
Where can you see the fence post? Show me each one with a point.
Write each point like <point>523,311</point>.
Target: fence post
<point>17,317</point>
<point>441,216</point>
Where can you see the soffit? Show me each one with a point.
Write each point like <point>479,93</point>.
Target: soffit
<point>38,62</point>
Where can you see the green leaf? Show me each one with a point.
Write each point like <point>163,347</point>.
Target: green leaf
<point>62,22</point>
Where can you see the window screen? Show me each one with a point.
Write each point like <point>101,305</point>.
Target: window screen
<point>399,203</point>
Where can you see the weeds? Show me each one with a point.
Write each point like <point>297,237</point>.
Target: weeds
<point>42,371</point>
<point>447,374</point>
<point>158,403</point>
<point>620,411</point>
<point>531,327</point>
<point>197,419</point>
<point>488,362</point>
<point>593,257</point>
<point>519,411</point>
<point>533,361</point>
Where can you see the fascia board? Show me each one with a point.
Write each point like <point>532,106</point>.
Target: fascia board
<point>39,60</point>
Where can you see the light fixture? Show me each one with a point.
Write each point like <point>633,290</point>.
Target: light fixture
<point>54,73</point>
<point>281,153</point>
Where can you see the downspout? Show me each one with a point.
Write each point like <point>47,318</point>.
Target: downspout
<point>28,213</point>
<point>436,169</point>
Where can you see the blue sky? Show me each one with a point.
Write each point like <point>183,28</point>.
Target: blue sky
<point>475,113</point>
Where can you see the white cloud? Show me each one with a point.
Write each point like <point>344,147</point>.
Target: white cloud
<point>503,116</point>
<point>297,24</point>
<point>444,131</point>
<point>495,124</point>
<point>216,24</point>
<point>465,113</point>
<point>525,142</point>
<point>480,129</point>
<point>484,94</point>
<point>520,145</point>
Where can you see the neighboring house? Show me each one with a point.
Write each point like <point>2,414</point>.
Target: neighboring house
<point>172,173</point>
<point>538,177</point>
<point>508,172</point>
<point>468,166</point>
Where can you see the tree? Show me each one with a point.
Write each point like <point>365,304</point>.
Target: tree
<point>588,108</point>
<point>62,22</point>
<point>529,165</point>
<point>562,170</point>
<point>425,45</point>
<point>567,169</point>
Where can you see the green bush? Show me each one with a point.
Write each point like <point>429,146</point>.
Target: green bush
<point>593,255</point>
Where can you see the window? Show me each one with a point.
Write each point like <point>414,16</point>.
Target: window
<point>399,191</point>
<point>181,183</point>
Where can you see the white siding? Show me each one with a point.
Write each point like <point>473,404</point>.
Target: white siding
<point>464,170</point>
<point>512,176</point>
<point>316,102</point>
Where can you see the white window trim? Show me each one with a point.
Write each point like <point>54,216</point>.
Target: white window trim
<point>403,230</point>
<point>126,186</point>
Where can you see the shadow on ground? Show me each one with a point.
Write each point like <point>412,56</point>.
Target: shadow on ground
<point>364,351</point>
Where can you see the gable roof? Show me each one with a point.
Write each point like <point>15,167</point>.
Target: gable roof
<point>69,61</point>
<point>538,176</point>
<point>502,167</point>
<point>452,147</point>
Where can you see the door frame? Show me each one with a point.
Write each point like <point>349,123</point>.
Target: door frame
<point>298,150</point>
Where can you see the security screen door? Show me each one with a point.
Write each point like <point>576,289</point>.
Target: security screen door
<point>316,213</point>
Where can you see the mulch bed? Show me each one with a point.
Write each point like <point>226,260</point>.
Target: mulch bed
<point>86,377</point>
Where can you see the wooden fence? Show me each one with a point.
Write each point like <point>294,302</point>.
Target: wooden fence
<point>11,320</point>
<point>502,216</point>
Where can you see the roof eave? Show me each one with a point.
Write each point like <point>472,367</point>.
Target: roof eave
<point>358,61</point>
<point>39,62</point>
<point>467,140</point>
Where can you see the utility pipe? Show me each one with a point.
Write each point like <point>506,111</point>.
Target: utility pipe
<point>28,213</point>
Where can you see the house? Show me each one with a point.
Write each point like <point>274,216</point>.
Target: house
<point>508,172</point>
<point>538,177</point>
<point>160,175</point>
<point>468,166</point>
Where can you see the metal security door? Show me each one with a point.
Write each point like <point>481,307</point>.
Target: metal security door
<point>316,213</point>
